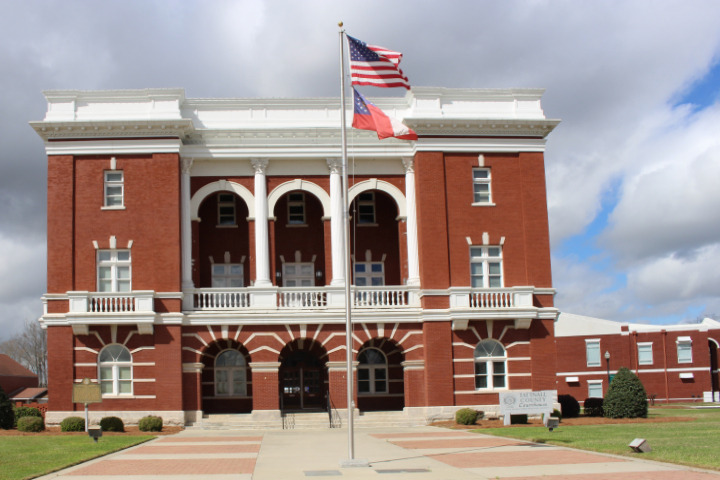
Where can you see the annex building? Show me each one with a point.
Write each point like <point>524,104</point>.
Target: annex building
<point>195,266</point>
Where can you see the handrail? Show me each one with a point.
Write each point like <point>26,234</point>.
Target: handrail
<point>282,413</point>
<point>329,410</point>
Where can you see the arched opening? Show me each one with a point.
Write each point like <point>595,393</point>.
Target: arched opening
<point>303,376</point>
<point>226,378</point>
<point>714,374</point>
<point>115,370</point>
<point>375,240</point>
<point>299,240</point>
<point>223,242</point>
<point>490,365</point>
<point>380,382</point>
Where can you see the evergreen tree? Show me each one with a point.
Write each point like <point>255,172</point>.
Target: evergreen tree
<point>626,397</point>
<point>7,416</point>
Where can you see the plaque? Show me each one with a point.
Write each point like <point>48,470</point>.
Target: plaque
<point>86,392</point>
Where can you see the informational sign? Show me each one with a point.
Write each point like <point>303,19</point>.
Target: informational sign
<point>515,402</point>
<point>86,392</point>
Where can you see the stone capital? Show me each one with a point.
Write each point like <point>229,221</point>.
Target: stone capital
<point>335,165</point>
<point>259,165</point>
<point>186,165</point>
<point>409,164</point>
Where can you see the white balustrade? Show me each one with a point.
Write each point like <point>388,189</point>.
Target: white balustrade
<point>111,303</point>
<point>380,297</point>
<point>492,298</point>
<point>310,298</point>
<point>221,299</point>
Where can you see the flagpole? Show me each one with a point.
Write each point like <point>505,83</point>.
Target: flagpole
<point>346,255</point>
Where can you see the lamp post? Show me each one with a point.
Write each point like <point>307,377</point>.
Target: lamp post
<point>607,362</point>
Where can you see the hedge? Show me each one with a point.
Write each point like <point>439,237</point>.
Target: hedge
<point>30,424</point>
<point>569,406</point>
<point>72,424</point>
<point>466,416</point>
<point>626,397</point>
<point>593,407</point>
<point>150,424</point>
<point>26,412</point>
<point>7,417</point>
<point>112,424</point>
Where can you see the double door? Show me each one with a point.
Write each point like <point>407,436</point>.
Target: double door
<point>301,388</point>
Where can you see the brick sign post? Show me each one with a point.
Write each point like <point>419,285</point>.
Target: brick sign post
<point>86,392</point>
<point>526,403</point>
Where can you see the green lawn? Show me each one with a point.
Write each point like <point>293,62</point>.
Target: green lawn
<point>695,443</point>
<point>29,456</point>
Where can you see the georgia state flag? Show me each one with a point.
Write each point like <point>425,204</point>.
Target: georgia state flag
<point>369,117</point>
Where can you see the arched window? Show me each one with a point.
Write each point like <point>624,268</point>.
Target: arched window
<point>490,365</point>
<point>230,374</point>
<point>372,372</point>
<point>115,366</point>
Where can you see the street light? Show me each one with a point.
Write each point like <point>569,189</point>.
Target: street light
<point>607,361</point>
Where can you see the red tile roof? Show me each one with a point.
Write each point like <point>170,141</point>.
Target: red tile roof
<point>11,368</point>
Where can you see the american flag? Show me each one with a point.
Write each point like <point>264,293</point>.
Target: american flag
<point>376,66</point>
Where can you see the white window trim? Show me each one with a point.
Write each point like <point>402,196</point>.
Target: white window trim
<point>484,181</point>
<point>374,209</point>
<point>113,263</point>
<point>231,384</point>
<point>684,341</point>
<point>371,367</point>
<point>485,260</point>
<point>297,203</point>
<point>227,276</point>
<point>221,204</point>
<point>595,382</point>
<point>115,373</point>
<point>108,183</point>
<point>490,372</point>
<point>652,358</point>
<point>368,274</point>
<point>587,358</point>
<point>298,277</point>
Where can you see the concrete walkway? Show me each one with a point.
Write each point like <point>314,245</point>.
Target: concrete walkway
<point>399,453</point>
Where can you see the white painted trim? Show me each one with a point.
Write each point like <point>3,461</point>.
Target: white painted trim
<point>85,364</point>
<point>522,359</point>
<point>383,186</point>
<point>305,186</point>
<point>516,343</point>
<point>142,348</point>
<point>86,349</point>
<point>222,186</point>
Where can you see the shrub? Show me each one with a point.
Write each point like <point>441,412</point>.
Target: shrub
<point>593,407</point>
<point>26,412</point>
<point>112,424</point>
<point>465,416</point>
<point>150,424</point>
<point>72,424</point>
<point>30,424</point>
<point>7,417</point>
<point>518,419</point>
<point>626,397</point>
<point>557,414</point>
<point>569,406</point>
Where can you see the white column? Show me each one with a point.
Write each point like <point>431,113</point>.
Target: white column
<point>336,221</point>
<point>262,247</point>
<point>412,235</point>
<point>186,228</point>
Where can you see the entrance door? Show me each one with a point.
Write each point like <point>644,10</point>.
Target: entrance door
<point>302,381</point>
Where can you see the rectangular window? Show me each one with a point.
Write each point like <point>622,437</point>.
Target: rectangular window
<point>114,188</point>
<point>684,350</point>
<point>296,209</point>
<point>595,389</point>
<point>369,274</point>
<point>592,350</point>
<point>366,208</point>
<point>645,355</point>
<point>227,275</point>
<point>481,186</point>
<point>298,275</point>
<point>113,270</point>
<point>226,209</point>
<point>486,267</point>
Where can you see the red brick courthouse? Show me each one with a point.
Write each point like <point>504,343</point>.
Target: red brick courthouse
<point>194,265</point>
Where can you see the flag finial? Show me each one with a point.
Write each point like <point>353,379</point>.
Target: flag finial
<point>340,24</point>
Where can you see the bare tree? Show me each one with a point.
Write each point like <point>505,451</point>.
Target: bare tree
<point>29,348</point>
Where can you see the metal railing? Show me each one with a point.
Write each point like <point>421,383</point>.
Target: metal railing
<point>492,298</point>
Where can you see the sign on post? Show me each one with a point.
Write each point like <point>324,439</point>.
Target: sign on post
<point>515,402</point>
<point>86,392</point>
